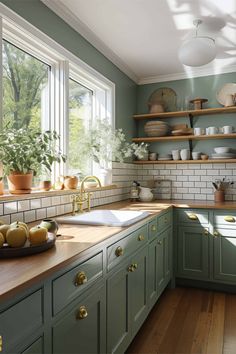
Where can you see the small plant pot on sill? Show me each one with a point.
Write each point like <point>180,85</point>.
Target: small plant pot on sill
<point>20,183</point>
<point>219,196</point>
<point>45,185</point>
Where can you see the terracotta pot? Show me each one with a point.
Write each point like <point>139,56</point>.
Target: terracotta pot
<point>20,183</point>
<point>219,196</point>
<point>45,185</point>
<point>70,182</point>
<point>1,188</point>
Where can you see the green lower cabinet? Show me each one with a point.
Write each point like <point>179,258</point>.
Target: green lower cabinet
<point>224,248</point>
<point>127,302</point>
<point>193,252</point>
<point>164,260</point>
<point>81,328</point>
<point>152,273</point>
<point>35,348</point>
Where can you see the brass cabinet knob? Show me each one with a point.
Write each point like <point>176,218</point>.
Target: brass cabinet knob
<point>165,220</point>
<point>82,313</point>
<point>206,232</point>
<point>159,242</point>
<point>80,278</point>
<point>141,238</point>
<point>119,251</point>
<point>229,218</point>
<point>192,216</point>
<point>0,343</point>
<point>153,228</point>
<point>132,267</point>
<point>216,234</point>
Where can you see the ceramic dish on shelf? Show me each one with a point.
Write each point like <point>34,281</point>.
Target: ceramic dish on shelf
<point>227,89</point>
<point>222,149</point>
<point>185,131</point>
<point>164,158</point>
<point>225,155</point>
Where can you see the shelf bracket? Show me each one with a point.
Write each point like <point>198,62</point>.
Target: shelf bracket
<point>190,142</point>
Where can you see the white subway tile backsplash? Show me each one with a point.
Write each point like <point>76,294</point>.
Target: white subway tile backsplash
<point>46,202</point>
<point>29,216</point>
<point>35,203</point>
<point>51,211</point>
<point>41,214</point>
<point>10,207</point>
<point>56,200</point>
<point>1,209</point>
<point>17,217</point>
<point>23,205</point>
<point>6,219</point>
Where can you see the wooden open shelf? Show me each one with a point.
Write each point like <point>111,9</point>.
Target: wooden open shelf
<point>140,162</point>
<point>183,137</point>
<point>199,112</point>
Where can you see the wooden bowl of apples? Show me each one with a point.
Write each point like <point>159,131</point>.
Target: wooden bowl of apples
<point>17,239</point>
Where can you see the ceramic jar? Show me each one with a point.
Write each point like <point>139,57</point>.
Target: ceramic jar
<point>145,194</point>
<point>70,182</point>
<point>50,224</point>
<point>185,154</point>
<point>176,155</point>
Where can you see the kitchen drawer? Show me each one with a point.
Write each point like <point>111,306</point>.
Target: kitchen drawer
<point>72,283</point>
<point>126,246</point>
<point>153,229</point>
<point>19,321</point>
<point>164,221</point>
<point>197,217</point>
<point>225,218</point>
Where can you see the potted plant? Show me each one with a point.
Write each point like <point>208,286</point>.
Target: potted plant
<point>25,153</point>
<point>103,144</point>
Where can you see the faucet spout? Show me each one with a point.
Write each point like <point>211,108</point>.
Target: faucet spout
<point>82,188</point>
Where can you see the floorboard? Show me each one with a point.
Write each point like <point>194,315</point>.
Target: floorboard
<point>189,321</point>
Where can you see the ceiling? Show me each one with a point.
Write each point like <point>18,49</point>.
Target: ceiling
<point>142,37</point>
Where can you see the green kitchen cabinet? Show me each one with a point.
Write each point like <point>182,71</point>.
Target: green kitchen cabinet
<point>152,273</point>
<point>224,254</point>
<point>164,259</point>
<point>193,252</point>
<point>127,302</point>
<point>80,328</point>
<point>35,348</point>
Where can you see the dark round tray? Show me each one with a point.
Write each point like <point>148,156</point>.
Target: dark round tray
<point>9,252</point>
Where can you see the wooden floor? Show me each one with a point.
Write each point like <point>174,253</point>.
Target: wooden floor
<point>187,321</point>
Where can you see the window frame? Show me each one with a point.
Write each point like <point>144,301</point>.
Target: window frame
<point>64,65</point>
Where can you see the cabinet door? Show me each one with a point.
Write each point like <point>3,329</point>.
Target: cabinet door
<point>163,260</point>
<point>138,289</point>
<point>35,348</point>
<point>118,311</point>
<point>81,329</point>
<point>225,255</point>
<point>152,273</point>
<point>193,248</point>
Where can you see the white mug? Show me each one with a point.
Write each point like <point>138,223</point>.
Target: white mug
<point>227,129</point>
<point>212,130</point>
<point>196,155</point>
<point>185,154</point>
<point>152,156</point>
<point>199,131</point>
<point>176,154</point>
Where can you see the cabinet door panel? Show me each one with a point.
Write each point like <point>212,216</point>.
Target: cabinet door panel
<point>138,289</point>
<point>118,311</point>
<point>225,255</point>
<point>152,273</point>
<point>35,348</point>
<point>79,333</point>
<point>161,263</point>
<point>193,249</point>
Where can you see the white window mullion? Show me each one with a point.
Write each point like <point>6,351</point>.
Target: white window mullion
<point>1,74</point>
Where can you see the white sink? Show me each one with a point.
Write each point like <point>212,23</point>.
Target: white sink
<point>105,217</point>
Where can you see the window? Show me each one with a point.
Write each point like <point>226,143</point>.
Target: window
<point>45,87</point>
<point>25,89</point>
<point>80,119</point>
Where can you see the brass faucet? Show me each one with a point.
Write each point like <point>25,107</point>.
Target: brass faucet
<point>79,199</point>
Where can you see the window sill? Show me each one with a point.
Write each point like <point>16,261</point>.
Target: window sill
<point>51,193</point>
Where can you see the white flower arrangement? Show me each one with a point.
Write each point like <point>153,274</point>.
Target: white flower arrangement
<point>104,144</point>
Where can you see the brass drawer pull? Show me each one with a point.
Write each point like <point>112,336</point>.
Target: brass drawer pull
<point>119,251</point>
<point>132,267</point>
<point>0,343</point>
<point>159,242</point>
<point>153,228</point>
<point>82,313</point>
<point>141,238</point>
<point>216,234</point>
<point>80,279</point>
<point>206,232</point>
<point>192,216</point>
<point>229,218</point>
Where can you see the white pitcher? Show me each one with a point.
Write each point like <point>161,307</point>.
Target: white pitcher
<point>145,194</point>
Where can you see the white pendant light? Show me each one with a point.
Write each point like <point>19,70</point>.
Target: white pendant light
<point>198,50</point>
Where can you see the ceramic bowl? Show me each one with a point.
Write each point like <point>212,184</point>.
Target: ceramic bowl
<point>222,149</point>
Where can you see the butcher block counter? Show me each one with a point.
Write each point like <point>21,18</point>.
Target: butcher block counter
<point>76,241</point>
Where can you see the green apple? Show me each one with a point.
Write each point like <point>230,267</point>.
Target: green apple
<point>38,235</point>
<point>16,236</point>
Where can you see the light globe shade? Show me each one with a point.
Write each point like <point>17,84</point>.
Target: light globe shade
<point>197,51</point>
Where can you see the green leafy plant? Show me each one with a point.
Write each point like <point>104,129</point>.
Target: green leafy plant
<point>104,144</point>
<point>24,150</point>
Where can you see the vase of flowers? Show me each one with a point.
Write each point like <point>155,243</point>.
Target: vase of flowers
<point>103,144</point>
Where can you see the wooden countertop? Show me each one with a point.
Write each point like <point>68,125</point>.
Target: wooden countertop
<point>19,273</point>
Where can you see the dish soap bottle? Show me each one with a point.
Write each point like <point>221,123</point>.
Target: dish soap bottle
<point>134,197</point>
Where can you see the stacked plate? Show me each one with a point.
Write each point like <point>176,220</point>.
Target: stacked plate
<point>156,128</point>
<point>223,153</point>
